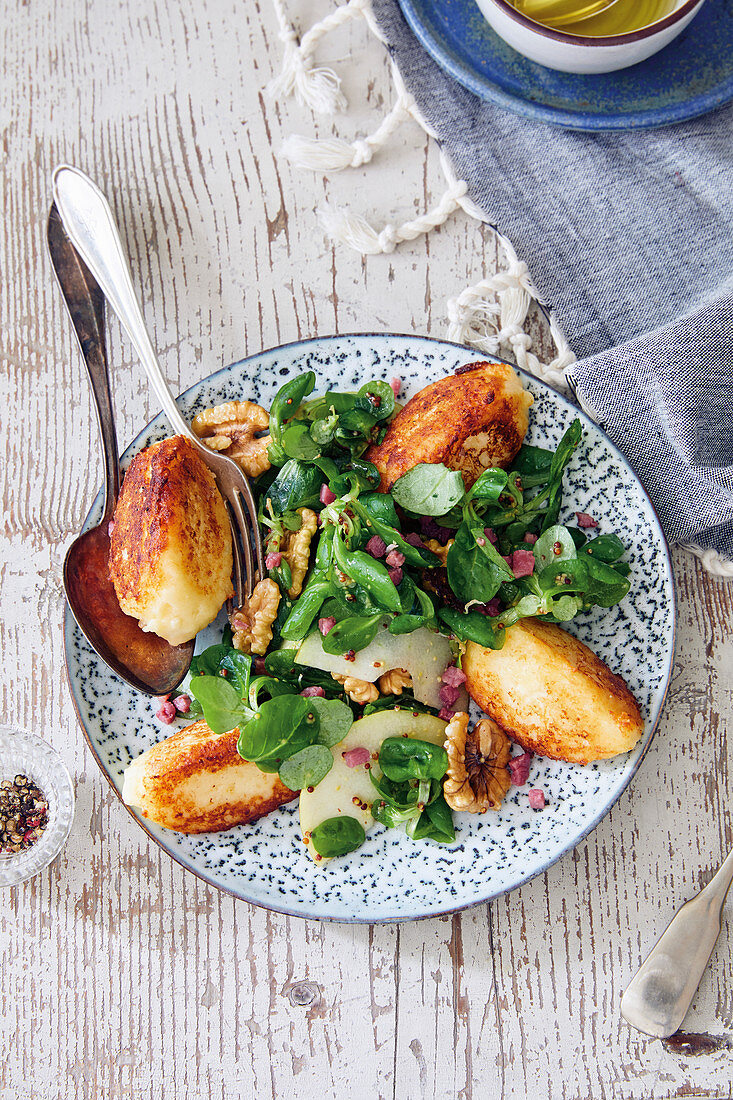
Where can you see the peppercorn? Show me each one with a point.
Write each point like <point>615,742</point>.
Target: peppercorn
<point>23,813</point>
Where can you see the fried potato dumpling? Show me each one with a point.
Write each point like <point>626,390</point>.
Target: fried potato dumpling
<point>552,695</point>
<point>470,420</point>
<point>196,782</point>
<point>171,545</point>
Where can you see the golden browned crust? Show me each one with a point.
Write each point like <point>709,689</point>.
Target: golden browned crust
<point>553,695</point>
<point>170,547</point>
<point>469,420</point>
<point>196,782</point>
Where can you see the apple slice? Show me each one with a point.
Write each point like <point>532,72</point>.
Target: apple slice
<point>344,791</point>
<point>424,654</point>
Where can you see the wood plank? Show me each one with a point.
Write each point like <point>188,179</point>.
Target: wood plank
<point>122,975</point>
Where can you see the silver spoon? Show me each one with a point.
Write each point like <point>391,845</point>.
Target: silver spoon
<point>90,224</point>
<point>659,995</point>
<point>143,659</point>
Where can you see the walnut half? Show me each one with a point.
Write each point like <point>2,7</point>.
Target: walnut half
<point>231,428</point>
<point>359,691</point>
<point>252,622</point>
<point>392,682</point>
<point>297,549</point>
<point>477,778</point>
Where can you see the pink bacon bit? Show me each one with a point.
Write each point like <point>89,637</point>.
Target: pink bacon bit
<point>324,625</point>
<point>491,535</point>
<point>522,563</point>
<point>354,757</point>
<point>537,798</point>
<point>530,539</point>
<point>519,768</point>
<point>449,694</point>
<point>312,692</point>
<point>445,714</point>
<point>584,520</point>
<point>376,546</point>
<point>414,540</point>
<point>182,703</point>
<point>396,384</point>
<point>454,676</point>
<point>395,575</point>
<point>326,496</point>
<point>272,561</point>
<point>166,713</point>
<point>395,558</point>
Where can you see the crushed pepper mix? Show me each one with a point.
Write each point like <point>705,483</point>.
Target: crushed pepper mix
<point>23,813</point>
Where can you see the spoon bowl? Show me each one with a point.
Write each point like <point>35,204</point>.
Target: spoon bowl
<point>143,659</point>
<point>146,661</point>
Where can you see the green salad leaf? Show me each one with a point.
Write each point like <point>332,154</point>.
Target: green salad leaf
<point>475,569</point>
<point>337,836</point>
<point>283,726</point>
<point>223,706</point>
<point>307,767</point>
<point>402,758</point>
<point>429,489</point>
<point>336,719</point>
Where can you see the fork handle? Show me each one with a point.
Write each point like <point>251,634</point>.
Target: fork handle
<point>659,995</point>
<point>91,227</point>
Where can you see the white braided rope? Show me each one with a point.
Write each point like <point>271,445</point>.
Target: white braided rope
<point>313,86</point>
<point>333,154</point>
<point>712,561</point>
<point>489,315</point>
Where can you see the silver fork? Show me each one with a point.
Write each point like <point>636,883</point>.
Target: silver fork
<point>91,227</point>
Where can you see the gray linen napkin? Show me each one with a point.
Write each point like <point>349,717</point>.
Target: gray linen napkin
<point>629,237</point>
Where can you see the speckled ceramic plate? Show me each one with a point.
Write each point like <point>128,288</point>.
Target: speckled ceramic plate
<point>692,76</point>
<point>392,877</point>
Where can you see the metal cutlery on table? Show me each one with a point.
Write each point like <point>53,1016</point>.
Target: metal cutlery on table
<point>90,224</point>
<point>659,995</point>
<point>146,661</point>
<point>84,224</point>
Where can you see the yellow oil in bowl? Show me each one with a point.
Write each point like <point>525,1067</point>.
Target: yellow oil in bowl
<point>596,18</point>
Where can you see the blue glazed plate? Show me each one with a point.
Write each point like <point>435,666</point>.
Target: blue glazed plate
<point>391,877</point>
<point>692,76</point>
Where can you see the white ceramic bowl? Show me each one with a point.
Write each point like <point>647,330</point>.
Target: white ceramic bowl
<point>571,53</point>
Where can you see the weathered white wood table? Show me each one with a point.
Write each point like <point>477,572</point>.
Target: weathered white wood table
<point>123,976</point>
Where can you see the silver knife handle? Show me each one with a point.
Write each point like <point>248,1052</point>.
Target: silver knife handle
<point>659,995</point>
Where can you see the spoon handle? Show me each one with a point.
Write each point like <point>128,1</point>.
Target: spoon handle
<point>90,224</point>
<point>85,303</point>
<point>659,995</point>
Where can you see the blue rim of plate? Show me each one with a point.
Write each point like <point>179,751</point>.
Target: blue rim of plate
<point>69,626</point>
<point>458,38</point>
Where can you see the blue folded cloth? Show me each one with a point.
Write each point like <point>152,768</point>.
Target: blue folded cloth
<point>629,238</point>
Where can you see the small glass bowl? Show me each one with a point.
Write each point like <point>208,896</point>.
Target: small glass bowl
<point>26,754</point>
